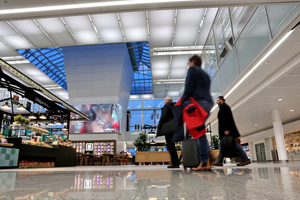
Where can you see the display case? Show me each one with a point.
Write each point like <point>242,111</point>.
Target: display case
<point>95,147</point>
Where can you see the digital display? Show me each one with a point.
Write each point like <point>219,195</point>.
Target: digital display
<point>103,118</point>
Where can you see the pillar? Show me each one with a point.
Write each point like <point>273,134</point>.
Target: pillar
<point>252,152</point>
<point>279,136</point>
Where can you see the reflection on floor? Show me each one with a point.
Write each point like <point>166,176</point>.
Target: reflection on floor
<point>255,181</point>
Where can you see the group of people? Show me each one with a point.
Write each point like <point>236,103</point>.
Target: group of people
<point>197,87</point>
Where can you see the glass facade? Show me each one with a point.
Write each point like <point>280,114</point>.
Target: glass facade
<point>50,61</point>
<point>237,37</point>
<point>145,112</point>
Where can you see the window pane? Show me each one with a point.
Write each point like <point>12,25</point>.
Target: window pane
<point>253,39</point>
<point>280,15</point>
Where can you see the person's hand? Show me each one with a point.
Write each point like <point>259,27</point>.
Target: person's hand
<point>226,132</point>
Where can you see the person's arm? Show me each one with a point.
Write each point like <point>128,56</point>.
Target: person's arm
<point>190,82</point>
<point>164,117</point>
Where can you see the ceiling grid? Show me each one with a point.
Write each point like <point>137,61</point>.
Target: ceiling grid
<point>95,28</point>
<point>121,26</point>
<point>66,25</point>
<point>44,32</point>
<point>20,34</point>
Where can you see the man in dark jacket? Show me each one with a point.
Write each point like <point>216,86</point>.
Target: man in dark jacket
<point>197,85</point>
<point>166,116</point>
<point>227,127</point>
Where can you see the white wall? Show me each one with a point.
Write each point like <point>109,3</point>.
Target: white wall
<point>266,138</point>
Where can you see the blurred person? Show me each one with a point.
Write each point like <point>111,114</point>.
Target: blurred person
<point>197,86</point>
<point>227,127</point>
<point>167,116</point>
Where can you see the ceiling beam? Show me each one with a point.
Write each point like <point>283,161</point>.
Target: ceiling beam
<point>54,8</point>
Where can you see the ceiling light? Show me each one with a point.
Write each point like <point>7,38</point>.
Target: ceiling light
<point>292,110</point>
<point>5,106</point>
<point>280,99</point>
<point>259,62</point>
<point>32,116</point>
<point>171,53</point>
<point>51,124</point>
<point>18,62</point>
<point>21,107</point>
<point>43,116</point>
<point>255,124</point>
<point>168,81</point>
<point>84,5</point>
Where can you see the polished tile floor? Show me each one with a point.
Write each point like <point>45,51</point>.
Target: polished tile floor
<point>255,182</point>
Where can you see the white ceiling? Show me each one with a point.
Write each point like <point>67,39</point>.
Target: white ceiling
<point>163,24</point>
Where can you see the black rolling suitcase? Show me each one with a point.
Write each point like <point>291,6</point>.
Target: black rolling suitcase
<point>190,155</point>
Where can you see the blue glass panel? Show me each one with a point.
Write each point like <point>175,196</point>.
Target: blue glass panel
<point>142,56</point>
<point>48,60</point>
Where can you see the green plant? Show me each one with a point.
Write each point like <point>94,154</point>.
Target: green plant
<point>27,121</point>
<point>215,142</point>
<point>18,118</point>
<point>23,119</point>
<point>140,142</point>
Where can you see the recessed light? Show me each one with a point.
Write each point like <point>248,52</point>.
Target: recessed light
<point>255,124</point>
<point>280,99</point>
<point>292,110</point>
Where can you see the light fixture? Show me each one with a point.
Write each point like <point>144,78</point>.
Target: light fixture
<point>51,124</point>
<point>58,123</point>
<point>280,99</point>
<point>83,5</point>
<point>32,116</point>
<point>43,116</point>
<point>5,106</point>
<point>21,107</point>
<point>292,110</point>
<point>255,124</point>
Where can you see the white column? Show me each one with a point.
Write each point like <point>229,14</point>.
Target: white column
<point>279,136</point>
<point>268,148</point>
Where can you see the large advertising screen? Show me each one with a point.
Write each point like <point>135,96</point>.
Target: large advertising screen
<point>103,118</point>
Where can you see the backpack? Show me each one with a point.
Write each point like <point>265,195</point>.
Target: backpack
<point>228,147</point>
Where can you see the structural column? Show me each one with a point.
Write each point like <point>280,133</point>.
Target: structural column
<point>279,136</point>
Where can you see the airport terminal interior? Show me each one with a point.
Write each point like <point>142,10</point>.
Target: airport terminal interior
<point>83,84</point>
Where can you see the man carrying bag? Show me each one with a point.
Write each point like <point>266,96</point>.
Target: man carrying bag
<point>166,127</point>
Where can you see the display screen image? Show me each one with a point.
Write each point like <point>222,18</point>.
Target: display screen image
<point>103,118</point>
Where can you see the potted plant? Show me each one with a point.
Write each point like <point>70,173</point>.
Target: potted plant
<point>214,153</point>
<point>17,119</point>
<point>140,143</point>
<point>27,121</point>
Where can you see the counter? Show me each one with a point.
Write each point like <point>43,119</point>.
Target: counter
<point>62,156</point>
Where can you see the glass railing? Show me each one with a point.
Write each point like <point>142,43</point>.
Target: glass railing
<point>238,36</point>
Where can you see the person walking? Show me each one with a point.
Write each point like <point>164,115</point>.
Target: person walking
<point>167,116</point>
<point>227,127</point>
<point>197,86</point>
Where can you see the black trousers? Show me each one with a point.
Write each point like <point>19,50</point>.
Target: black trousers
<point>172,150</point>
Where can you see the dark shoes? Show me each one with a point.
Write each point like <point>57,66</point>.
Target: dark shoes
<point>173,166</point>
<point>247,162</point>
<point>217,164</point>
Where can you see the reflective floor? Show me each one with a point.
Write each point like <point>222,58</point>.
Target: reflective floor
<point>256,181</point>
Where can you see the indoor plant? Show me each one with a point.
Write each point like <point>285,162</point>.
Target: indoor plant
<point>214,153</point>
<point>140,142</point>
